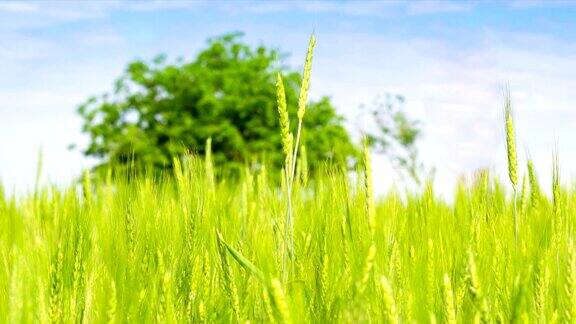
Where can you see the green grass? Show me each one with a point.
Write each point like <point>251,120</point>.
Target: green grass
<point>148,250</point>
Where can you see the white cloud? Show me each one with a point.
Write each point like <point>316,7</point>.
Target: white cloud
<point>457,93</point>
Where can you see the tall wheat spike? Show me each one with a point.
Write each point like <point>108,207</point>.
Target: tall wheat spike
<point>510,142</point>
<point>303,99</point>
<point>534,186</point>
<point>511,153</point>
<point>285,133</point>
<point>287,147</point>
<point>290,147</point>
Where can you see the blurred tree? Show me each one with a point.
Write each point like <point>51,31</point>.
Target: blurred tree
<point>394,134</point>
<point>159,110</point>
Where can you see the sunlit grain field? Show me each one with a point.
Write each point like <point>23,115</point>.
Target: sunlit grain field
<point>148,250</point>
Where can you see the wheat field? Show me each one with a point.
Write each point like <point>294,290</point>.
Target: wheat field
<point>185,249</point>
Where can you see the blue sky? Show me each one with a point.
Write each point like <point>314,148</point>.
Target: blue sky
<point>449,59</point>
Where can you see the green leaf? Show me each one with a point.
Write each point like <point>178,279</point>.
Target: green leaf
<point>243,261</point>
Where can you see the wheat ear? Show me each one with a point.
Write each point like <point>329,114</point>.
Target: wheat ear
<point>511,153</point>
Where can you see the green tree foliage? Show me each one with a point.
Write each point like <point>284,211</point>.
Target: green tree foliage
<point>159,110</point>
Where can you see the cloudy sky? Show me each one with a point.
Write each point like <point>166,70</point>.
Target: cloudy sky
<point>450,60</point>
